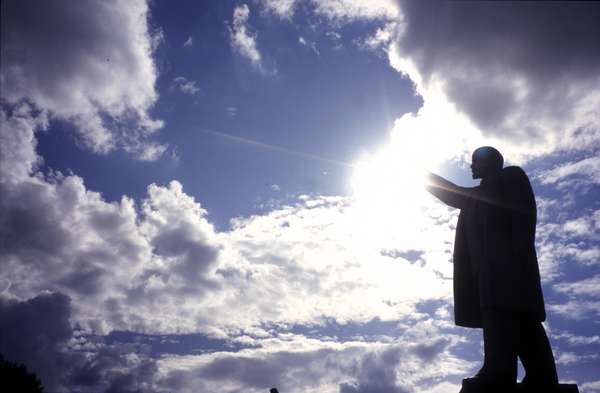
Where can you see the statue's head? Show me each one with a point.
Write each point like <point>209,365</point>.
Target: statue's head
<point>486,161</point>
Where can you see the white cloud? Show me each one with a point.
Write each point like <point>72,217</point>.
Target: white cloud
<point>576,309</point>
<point>574,339</point>
<point>349,10</point>
<point>590,387</point>
<point>565,175</point>
<point>189,42</point>
<point>232,110</point>
<point>586,287</point>
<point>381,38</point>
<point>337,11</point>
<point>282,8</point>
<point>90,64</point>
<point>565,358</point>
<point>242,40</point>
<point>311,45</point>
<point>18,157</point>
<point>186,86</point>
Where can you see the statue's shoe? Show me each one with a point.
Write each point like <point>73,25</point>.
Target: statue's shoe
<point>482,383</point>
<point>541,384</point>
<point>533,386</point>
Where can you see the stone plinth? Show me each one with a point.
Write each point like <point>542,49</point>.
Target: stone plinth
<point>562,388</point>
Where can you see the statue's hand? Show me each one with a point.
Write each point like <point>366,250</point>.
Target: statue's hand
<point>433,179</point>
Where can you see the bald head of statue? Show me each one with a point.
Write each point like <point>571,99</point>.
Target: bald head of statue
<point>486,161</point>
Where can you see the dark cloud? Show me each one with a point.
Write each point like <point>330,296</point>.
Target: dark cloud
<point>89,63</point>
<point>34,332</point>
<point>37,332</point>
<point>30,224</point>
<point>524,70</point>
<point>377,373</point>
<point>118,369</point>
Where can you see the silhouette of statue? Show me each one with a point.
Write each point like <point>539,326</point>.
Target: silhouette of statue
<point>496,275</point>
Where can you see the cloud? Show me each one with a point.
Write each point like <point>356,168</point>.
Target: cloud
<point>337,11</point>
<point>295,363</point>
<point>34,332</point>
<point>590,387</point>
<point>90,64</point>
<point>574,173</point>
<point>282,8</point>
<point>524,74</point>
<point>189,42</point>
<point>116,369</point>
<point>18,157</point>
<point>311,45</point>
<point>60,356</point>
<point>574,339</point>
<point>120,261</point>
<point>576,309</point>
<point>232,110</point>
<point>565,358</point>
<point>242,40</point>
<point>186,86</point>
<point>344,11</point>
<point>586,287</point>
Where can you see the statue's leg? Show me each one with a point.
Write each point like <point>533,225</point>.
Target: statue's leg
<point>500,342</point>
<point>536,354</point>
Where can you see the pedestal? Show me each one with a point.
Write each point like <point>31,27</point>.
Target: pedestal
<point>562,388</point>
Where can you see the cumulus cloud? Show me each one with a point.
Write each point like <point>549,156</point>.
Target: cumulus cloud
<point>120,261</point>
<point>18,157</point>
<point>117,264</point>
<point>524,74</point>
<point>90,64</point>
<point>38,333</point>
<point>189,42</point>
<point>242,40</point>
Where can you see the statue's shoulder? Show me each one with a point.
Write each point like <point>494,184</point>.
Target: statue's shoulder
<point>513,170</point>
<point>513,174</point>
<point>517,187</point>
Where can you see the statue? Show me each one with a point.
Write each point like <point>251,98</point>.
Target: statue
<point>496,276</point>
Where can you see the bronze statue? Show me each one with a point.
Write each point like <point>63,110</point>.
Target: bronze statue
<point>496,275</point>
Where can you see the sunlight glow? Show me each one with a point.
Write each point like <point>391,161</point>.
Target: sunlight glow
<point>389,185</point>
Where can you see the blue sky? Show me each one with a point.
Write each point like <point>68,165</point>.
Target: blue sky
<point>229,195</point>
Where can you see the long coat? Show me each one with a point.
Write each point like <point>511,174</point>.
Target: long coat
<point>495,263</point>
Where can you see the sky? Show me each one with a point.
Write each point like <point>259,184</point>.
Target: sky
<point>228,196</point>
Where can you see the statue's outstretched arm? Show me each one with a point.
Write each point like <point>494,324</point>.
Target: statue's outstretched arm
<point>448,192</point>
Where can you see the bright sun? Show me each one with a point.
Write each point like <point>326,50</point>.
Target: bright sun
<point>389,186</point>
